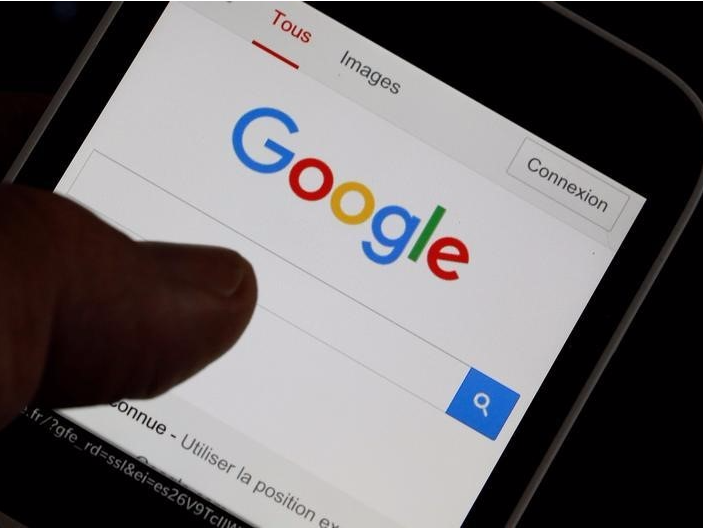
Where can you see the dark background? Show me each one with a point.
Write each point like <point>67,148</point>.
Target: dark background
<point>631,449</point>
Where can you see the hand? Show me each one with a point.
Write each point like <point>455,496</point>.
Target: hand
<point>88,316</point>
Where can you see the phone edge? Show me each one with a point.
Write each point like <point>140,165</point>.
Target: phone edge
<point>649,279</point>
<point>60,94</point>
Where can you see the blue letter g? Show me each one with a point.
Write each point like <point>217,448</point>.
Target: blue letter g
<point>285,155</point>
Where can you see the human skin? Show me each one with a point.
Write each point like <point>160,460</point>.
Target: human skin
<point>88,316</point>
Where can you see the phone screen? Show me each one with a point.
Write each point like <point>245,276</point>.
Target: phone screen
<point>421,262</point>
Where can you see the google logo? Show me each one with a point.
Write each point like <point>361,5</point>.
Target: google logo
<point>442,251</point>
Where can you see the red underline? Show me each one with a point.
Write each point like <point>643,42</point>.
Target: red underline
<point>277,55</point>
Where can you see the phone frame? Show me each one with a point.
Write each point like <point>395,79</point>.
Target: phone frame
<point>640,79</point>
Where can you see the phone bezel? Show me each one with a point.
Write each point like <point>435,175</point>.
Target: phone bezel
<point>607,127</point>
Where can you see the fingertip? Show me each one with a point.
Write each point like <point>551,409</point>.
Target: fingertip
<point>208,303</point>
<point>215,269</point>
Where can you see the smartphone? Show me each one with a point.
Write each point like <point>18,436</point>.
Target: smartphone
<point>453,216</point>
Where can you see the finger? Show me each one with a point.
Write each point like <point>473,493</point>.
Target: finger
<point>88,316</point>
<point>207,266</point>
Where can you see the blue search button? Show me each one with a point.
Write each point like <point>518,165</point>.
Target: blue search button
<point>483,404</point>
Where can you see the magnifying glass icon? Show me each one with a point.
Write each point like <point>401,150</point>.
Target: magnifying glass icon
<point>482,401</point>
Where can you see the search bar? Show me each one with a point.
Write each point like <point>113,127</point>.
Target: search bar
<point>576,189</point>
<point>357,331</point>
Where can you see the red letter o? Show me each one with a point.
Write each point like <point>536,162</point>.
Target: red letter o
<point>327,179</point>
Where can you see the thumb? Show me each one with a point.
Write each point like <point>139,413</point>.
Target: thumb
<point>88,316</point>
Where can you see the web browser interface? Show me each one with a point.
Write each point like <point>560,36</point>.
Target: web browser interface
<point>421,261</point>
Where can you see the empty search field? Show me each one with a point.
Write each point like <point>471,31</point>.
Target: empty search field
<point>356,330</point>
